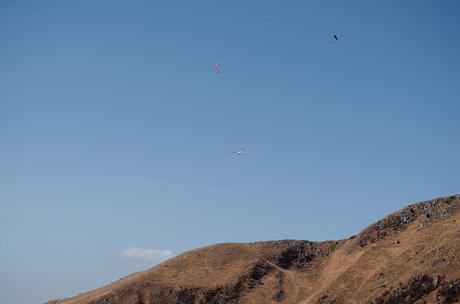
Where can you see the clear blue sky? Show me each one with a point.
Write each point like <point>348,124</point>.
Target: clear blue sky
<point>113,125</point>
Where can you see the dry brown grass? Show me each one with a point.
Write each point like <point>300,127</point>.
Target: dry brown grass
<point>411,256</point>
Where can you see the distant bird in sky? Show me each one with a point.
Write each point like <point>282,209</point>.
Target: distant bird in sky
<point>267,17</point>
<point>239,152</point>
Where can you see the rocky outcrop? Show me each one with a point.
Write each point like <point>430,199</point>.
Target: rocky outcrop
<point>410,256</point>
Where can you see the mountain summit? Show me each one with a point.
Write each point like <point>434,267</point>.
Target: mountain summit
<point>410,256</point>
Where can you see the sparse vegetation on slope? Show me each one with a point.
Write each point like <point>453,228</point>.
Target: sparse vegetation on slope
<point>410,256</point>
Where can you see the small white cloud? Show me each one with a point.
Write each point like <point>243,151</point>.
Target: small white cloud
<point>146,255</point>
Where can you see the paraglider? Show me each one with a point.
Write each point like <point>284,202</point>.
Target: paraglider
<point>336,38</point>
<point>216,67</point>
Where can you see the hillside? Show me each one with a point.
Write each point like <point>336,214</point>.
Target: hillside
<point>410,256</point>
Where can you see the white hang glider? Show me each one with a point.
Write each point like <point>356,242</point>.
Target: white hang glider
<point>239,152</point>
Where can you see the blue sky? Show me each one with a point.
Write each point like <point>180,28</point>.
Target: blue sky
<point>113,125</point>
